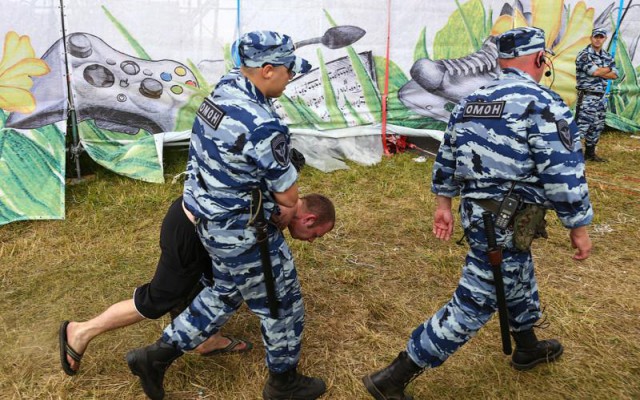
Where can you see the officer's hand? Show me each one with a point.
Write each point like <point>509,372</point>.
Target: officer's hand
<point>443,223</point>
<point>580,240</point>
<point>283,219</point>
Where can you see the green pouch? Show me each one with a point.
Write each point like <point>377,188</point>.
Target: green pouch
<point>528,224</point>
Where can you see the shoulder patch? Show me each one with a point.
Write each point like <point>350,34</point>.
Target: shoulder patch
<point>480,109</point>
<point>210,113</point>
<point>280,149</point>
<point>565,134</point>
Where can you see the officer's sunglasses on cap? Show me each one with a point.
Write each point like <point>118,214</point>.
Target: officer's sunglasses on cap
<point>290,66</point>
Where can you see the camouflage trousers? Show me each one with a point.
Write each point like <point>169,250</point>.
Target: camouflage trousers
<point>590,118</point>
<point>238,277</point>
<point>474,300</point>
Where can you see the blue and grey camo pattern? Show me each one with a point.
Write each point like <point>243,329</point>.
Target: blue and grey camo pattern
<point>512,130</point>
<point>520,42</point>
<point>239,143</point>
<point>592,109</point>
<point>534,143</point>
<point>254,49</point>
<point>474,301</point>
<point>587,62</point>
<point>590,118</point>
<point>225,164</point>
<point>238,277</point>
<point>599,31</point>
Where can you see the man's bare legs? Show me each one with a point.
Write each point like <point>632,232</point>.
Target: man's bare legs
<point>119,315</point>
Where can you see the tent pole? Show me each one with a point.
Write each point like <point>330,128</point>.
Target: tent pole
<point>76,147</point>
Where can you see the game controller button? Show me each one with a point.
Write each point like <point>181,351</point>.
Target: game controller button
<point>98,76</point>
<point>110,61</point>
<point>79,45</point>
<point>151,88</point>
<point>191,83</point>
<point>165,76</point>
<point>147,72</point>
<point>130,67</point>
<point>121,97</point>
<point>124,83</point>
<point>177,89</point>
<point>180,71</point>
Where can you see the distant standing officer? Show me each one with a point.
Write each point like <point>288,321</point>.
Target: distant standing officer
<point>594,66</point>
<point>239,166</point>
<point>511,135</point>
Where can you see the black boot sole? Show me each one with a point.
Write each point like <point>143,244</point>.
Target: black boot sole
<point>532,364</point>
<point>134,361</point>
<point>372,389</point>
<point>375,392</point>
<point>293,396</point>
<point>269,397</point>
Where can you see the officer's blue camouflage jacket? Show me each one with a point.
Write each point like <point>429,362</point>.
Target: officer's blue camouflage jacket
<point>514,130</point>
<point>587,62</point>
<point>238,142</point>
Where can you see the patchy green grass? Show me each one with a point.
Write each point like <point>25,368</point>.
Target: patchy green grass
<point>367,284</point>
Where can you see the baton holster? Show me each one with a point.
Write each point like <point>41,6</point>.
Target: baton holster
<point>494,254</point>
<point>259,222</point>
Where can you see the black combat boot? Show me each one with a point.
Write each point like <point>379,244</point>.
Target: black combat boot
<point>291,385</point>
<point>149,364</point>
<point>389,383</point>
<point>530,351</point>
<point>590,154</point>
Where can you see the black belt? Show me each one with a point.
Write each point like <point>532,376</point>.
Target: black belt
<point>489,204</point>
<point>592,93</point>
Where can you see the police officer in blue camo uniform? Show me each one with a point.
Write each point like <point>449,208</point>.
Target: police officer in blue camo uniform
<point>512,134</point>
<point>240,145</point>
<point>594,66</point>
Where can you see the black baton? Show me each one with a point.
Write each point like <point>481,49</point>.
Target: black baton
<point>494,254</point>
<point>262,236</point>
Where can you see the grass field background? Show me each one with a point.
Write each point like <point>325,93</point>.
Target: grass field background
<point>366,285</point>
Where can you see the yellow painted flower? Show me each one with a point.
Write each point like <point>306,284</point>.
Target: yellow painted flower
<point>17,67</point>
<point>548,15</point>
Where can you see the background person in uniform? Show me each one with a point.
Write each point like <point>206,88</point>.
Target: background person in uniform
<point>510,133</point>
<point>183,263</point>
<point>238,145</point>
<point>594,66</point>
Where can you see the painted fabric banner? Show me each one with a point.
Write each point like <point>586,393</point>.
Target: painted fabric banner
<point>138,73</point>
<point>32,159</point>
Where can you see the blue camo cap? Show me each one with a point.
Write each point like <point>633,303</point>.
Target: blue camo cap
<point>254,49</point>
<point>521,41</point>
<point>599,31</point>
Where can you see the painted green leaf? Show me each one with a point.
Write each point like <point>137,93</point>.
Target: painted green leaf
<point>464,32</point>
<point>335,113</point>
<point>420,50</point>
<point>133,42</point>
<point>295,115</point>
<point>134,156</point>
<point>369,90</point>
<point>308,112</point>
<point>32,170</point>
<point>625,90</point>
<point>621,123</point>
<point>355,114</point>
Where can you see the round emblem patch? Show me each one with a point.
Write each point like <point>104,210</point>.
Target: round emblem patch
<point>280,149</point>
<point>565,134</point>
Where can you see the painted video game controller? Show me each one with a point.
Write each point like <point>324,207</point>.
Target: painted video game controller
<point>119,92</point>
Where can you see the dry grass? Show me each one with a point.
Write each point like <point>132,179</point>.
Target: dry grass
<point>366,286</point>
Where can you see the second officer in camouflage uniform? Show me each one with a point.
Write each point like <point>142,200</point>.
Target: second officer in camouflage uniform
<point>239,144</point>
<point>594,66</point>
<point>511,133</point>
